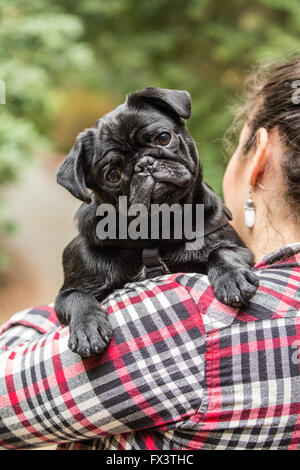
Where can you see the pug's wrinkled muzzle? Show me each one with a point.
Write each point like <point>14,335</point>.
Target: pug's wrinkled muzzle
<point>158,181</point>
<point>145,165</point>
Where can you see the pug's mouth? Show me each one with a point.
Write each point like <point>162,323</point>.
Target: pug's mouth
<point>167,192</point>
<point>162,182</point>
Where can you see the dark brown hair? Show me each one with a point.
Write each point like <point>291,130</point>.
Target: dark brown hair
<point>272,100</point>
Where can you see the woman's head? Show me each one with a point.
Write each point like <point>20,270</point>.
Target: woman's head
<point>267,159</point>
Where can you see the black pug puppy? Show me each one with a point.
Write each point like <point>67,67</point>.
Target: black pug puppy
<point>141,150</point>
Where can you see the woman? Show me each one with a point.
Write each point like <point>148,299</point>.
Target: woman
<point>183,371</point>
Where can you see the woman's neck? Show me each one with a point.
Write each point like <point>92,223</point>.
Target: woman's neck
<point>263,240</point>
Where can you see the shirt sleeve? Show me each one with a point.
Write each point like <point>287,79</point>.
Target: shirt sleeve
<point>151,375</point>
<point>26,326</point>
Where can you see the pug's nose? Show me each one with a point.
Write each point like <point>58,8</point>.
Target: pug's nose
<point>143,164</point>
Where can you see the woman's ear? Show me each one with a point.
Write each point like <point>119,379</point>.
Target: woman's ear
<point>72,172</point>
<point>261,156</point>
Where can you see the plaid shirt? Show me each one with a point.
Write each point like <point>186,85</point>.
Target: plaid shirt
<point>183,371</point>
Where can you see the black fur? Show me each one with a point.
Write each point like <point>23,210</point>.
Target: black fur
<point>126,138</point>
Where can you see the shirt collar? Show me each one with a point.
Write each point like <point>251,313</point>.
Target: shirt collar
<point>287,254</point>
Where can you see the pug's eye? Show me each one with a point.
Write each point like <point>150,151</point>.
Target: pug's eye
<point>163,139</point>
<point>114,175</point>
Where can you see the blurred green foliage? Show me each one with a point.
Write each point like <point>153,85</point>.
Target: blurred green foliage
<point>39,45</point>
<point>49,48</point>
<point>205,46</point>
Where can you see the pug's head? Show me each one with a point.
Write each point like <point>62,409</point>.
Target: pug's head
<point>141,150</point>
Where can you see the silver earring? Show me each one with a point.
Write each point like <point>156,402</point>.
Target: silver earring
<point>249,209</point>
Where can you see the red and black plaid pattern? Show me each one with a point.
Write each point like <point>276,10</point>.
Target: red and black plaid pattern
<point>183,371</point>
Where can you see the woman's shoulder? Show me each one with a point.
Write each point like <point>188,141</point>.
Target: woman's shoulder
<point>180,294</point>
<point>275,298</point>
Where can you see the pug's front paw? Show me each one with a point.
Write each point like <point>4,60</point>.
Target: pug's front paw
<point>235,287</point>
<point>90,333</point>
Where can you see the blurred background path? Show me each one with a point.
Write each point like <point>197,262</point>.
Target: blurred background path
<point>44,214</point>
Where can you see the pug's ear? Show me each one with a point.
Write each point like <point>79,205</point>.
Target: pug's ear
<point>72,172</point>
<point>176,101</point>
